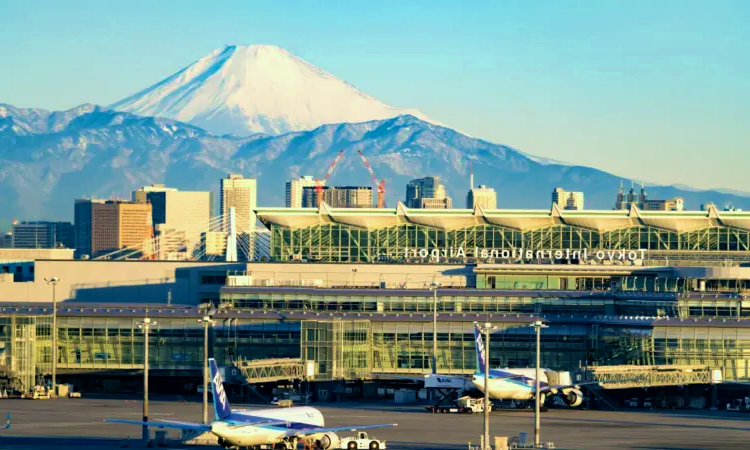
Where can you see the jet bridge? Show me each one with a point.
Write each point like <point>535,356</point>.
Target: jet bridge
<point>271,370</point>
<point>623,377</point>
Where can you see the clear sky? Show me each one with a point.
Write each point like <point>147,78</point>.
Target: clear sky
<point>654,90</point>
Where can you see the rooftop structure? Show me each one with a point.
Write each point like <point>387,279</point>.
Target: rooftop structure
<point>332,234</point>
<point>642,202</point>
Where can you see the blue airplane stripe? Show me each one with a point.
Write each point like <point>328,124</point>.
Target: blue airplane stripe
<point>520,380</point>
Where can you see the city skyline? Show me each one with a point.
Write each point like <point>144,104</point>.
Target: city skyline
<point>656,85</point>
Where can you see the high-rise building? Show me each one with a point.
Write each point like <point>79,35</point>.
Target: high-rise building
<point>83,224</point>
<point>43,235</point>
<point>338,197</point>
<point>188,212</point>
<point>569,200</point>
<point>642,202</point>
<point>6,240</point>
<point>106,226</point>
<point>294,190</point>
<point>482,196</point>
<point>241,194</point>
<point>427,193</point>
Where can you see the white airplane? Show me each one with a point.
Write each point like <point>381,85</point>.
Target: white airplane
<point>280,428</point>
<point>506,384</point>
<point>520,384</point>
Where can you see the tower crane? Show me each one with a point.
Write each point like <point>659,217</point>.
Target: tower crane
<point>380,184</point>
<point>319,184</point>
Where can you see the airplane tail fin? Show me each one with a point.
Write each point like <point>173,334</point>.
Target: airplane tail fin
<point>222,410</point>
<point>479,345</point>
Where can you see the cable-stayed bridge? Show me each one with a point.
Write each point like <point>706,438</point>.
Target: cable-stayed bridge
<point>217,239</point>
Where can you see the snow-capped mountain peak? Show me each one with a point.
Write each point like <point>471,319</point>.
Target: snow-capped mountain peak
<point>258,88</point>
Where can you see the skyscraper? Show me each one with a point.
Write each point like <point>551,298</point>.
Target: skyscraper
<point>241,194</point>
<point>427,193</point>
<point>294,190</point>
<point>642,202</point>
<point>43,235</point>
<point>83,225</point>
<point>105,226</point>
<point>569,200</point>
<point>483,196</point>
<point>173,210</point>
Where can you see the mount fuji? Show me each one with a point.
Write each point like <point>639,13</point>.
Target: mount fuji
<point>243,90</point>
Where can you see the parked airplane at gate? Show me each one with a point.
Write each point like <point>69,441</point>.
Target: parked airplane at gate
<point>280,428</point>
<point>508,384</point>
<point>520,384</point>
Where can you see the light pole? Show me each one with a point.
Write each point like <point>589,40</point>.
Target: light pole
<point>53,281</point>
<point>486,329</point>
<point>433,286</point>
<point>145,325</point>
<point>537,325</point>
<point>206,322</point>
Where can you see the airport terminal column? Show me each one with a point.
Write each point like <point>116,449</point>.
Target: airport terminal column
<point>53,281</point>
<point>206,322</point>
<point>537,396</point>
<point>145,325</point>
<point>434,287</point>
<point>485,330</point>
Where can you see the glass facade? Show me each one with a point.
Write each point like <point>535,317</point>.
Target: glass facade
<point>339,242</point>
<point>397,341</point>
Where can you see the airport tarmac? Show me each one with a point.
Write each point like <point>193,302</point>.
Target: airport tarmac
<point>77,424</point>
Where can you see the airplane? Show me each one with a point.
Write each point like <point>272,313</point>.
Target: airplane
<point>520,384</point>
<point>260,428</point>
<point>505,384</point>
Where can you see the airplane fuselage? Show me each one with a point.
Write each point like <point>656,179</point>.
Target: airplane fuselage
<point>520,388</point>
<point>232,431</point>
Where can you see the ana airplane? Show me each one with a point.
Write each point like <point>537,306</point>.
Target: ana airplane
<point>520,384</point>
<point>507,384</point>
<point>280,428</point>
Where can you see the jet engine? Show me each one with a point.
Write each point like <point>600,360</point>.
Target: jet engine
<point>572,397</point>
<point>329,441</point>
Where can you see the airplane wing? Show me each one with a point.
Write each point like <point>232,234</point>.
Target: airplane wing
<point>164,424</point>
<point>315,430</point>
<point>577,385</point>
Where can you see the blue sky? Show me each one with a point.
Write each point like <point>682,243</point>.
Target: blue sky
<point>654,90</point>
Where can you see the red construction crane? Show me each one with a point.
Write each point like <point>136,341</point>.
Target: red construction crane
<point>380,184</point>
<point>319,184</point>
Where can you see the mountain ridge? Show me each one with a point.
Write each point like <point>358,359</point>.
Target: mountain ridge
<point>100,152</point>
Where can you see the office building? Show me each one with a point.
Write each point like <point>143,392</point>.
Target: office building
<point>294,190</point>
<point>6,240</point>
<point>83,225</point>
<point>338,197</point>
<point>105,226</point>
<point>569,200</point>
<point>427,193</point>
<point>43,235</point>
<point>482,196</point>
<point>241,194</point>
<point>641,201</point>
<point>177,211</point>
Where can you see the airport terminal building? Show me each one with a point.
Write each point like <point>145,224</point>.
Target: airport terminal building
<point>342,288</point>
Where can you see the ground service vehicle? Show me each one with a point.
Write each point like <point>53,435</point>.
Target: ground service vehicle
<point>361,441</point>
